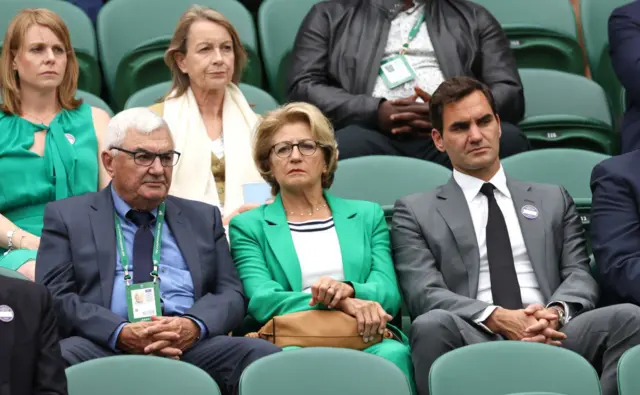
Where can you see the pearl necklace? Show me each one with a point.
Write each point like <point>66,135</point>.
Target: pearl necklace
<point>317,208</point>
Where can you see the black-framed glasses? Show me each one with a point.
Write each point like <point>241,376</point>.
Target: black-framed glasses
<point>146,158</point>
<point>306,147</point>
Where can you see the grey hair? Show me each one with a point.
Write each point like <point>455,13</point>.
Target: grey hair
<point>139,119</point>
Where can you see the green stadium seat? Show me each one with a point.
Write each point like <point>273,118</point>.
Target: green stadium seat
<point>321,371</point>
<point>93,101</point>
<point>566,110</point>
<point>594,15</point>
<point>570,168</point>
<point>12,273</point>
<point>543,33</point>
<point>138,374</point>
<point>83,37</point>
<point>278,24</point>
<point>259,99</point>
<point>120,32</point>
<point>628,367</point>
<point>472,370</point>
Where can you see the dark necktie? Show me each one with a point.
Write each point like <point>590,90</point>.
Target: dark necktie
<point>502,271</point>
<point>142,246</point>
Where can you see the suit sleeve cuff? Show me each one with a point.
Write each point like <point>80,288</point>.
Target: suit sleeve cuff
<point>113,339</point>
<point>203,328</point>
<point>482,317</point>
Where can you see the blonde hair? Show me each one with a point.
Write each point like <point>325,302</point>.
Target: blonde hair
<point>321,130</point>
<point>13,40</point>
<point>179,45</point>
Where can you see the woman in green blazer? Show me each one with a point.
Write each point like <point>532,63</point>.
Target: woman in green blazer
<point>311,250</point>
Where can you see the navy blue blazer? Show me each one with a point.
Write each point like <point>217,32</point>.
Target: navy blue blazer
<point>77,262</point>
<point>624,43</point>
<point>615,227</point>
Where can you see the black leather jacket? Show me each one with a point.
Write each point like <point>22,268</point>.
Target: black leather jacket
<point>340,44</point>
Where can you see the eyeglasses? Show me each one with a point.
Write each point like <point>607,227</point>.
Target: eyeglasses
<point>146,158</point>
<point>307,147</point>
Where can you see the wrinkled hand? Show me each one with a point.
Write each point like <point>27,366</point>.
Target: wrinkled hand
<point>134,337</point>
<point>547,325</point>
<point>329,292</point>
<point>385,110</point>
<point>245,207</point>
<point>412,116</point>
<point>371,317</point>
<point>512,324</point>
<point>171,336</point>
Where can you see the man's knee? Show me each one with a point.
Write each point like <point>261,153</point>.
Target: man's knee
<point>255,349</point>
<point>434,324</point>
<point>624,314</point>
<point>513,140</point>
<point>77,349</point>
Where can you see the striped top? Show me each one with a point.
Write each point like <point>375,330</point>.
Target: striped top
<point>318,248</point>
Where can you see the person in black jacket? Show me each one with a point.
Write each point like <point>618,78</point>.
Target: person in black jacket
<point>30,359</point>
<point>343,46</point>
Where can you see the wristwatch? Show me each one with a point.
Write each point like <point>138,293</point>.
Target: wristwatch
<point>10,239</point>
<point>561,315</point>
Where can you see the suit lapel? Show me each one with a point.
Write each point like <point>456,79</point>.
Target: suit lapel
<point>280,241</point>
<point>533,231</point>
<point>455,211</point>
<point>182,233</point>
<point>349,230</point>
<point>102,225</point>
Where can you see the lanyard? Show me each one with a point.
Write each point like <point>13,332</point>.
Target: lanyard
<point>413,33</point>
<point>124,259</point>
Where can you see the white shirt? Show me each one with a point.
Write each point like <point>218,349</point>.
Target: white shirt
<point>420,55</point>
<point>479,209</point>
<point>318,248</point>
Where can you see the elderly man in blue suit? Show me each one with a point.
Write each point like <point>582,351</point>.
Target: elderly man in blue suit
<point>135,271</point>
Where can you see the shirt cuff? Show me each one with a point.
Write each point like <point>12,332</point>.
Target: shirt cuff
<point>482,317</point>
<point>567,310</point>
<point>113,339</point>
<point>203,328</point>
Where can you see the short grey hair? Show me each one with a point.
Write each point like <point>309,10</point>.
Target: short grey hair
<point>140,119</point>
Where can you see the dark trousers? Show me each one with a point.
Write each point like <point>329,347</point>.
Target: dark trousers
<point>601,336</point>
<point>355,141</point>
<point>223,357</point>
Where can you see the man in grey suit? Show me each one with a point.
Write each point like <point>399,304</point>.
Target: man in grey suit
<point>485,258</point>
<point>124,280</point>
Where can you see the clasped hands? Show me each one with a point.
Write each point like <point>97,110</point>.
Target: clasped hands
<point>406,115</point>
<point>371,317</point>
<point>162,336</point>
<point>532,324</point>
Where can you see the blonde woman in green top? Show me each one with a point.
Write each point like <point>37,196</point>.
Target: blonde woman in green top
<point>49,141</point>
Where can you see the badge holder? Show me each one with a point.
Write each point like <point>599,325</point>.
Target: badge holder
<point>396,71</point>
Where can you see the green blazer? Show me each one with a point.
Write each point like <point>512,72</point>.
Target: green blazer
<point>264,253</point>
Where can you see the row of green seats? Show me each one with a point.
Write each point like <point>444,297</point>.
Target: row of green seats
<point>467,370</point>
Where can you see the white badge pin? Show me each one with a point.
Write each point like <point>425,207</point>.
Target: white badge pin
<point>70,137</point>
<point>529,212</point>
<point>6,313</point>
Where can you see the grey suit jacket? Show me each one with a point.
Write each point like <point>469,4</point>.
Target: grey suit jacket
<point>77,262</point>
<point>437,257</point>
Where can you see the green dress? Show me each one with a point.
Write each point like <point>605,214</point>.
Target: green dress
<point>29,181</point>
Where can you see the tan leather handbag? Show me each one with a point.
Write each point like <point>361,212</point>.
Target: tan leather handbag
<point>316,328</point>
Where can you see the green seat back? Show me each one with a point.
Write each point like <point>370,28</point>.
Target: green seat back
<point>138,374</point>
<point>536,393</point>
<point>628,367</point>
<point>148,96</point>
<point>566,110</point>
<point>384,179</point>
<point>278,24</point>
<point>259,99</point>
<point>543,33</point>
<point>12,273</point>
<point>120,32</point>
<point>93,101</point>
<point>322,371</point>
<point>472,370</point>
<point>83,37</point>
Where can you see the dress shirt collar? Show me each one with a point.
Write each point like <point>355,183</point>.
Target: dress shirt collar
<point>471,185</point>
<point>122,207</point>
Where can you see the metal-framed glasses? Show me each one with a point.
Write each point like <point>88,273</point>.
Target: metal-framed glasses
<point>306,147</point>
<point>145,158</point>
